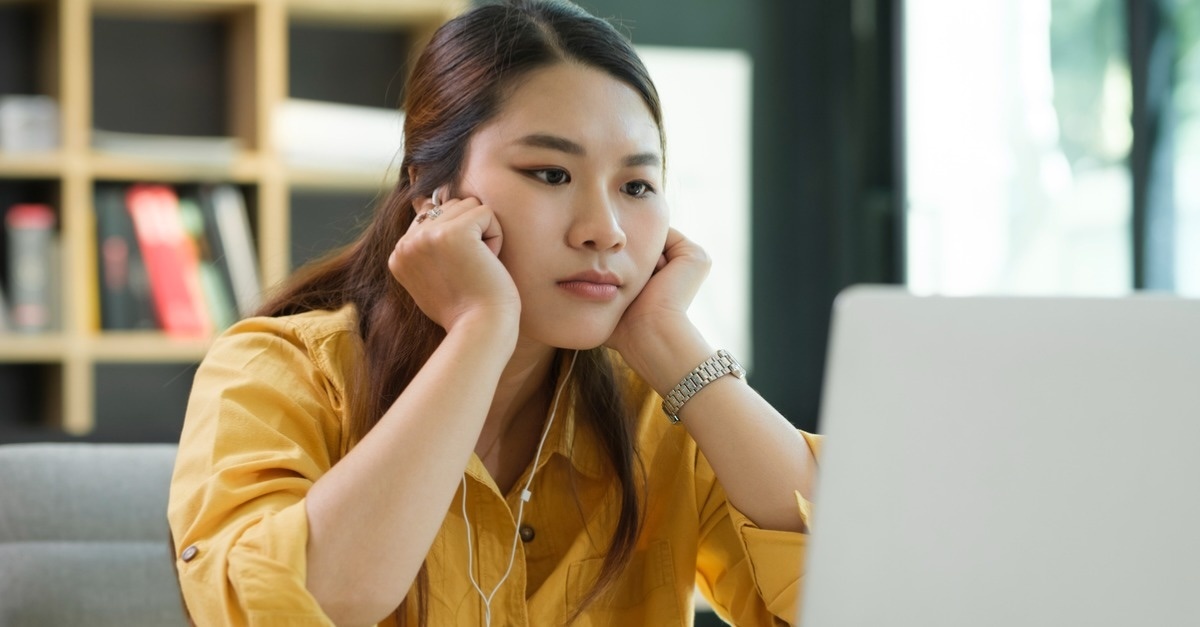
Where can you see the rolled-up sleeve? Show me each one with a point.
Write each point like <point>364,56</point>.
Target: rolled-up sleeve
<point>751,576</point>
<point>263,424</point>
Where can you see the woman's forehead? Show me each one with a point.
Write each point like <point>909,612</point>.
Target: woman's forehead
<point>583,105</point>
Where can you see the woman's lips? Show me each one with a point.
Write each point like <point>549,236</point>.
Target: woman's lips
<point>590,290</point>
<point>593,284</point>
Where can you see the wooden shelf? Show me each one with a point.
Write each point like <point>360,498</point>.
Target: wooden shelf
<point>34,165</point>
<point>171,8</point>
<point>237,51</point>
<point>40,348</point>
<point>146,347</point>
<point>327,179</point>
<point>384,13</point>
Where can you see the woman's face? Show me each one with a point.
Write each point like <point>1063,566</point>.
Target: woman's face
<point>573,169</point>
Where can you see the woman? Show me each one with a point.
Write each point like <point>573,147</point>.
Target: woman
<point>458,419</point>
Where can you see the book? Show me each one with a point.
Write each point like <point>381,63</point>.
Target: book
<point>217,289</point>
<point>171,260</point>
<point>30,266</point>
<point>125,301</point>
<point>232,244</point>
<point>3,311</point>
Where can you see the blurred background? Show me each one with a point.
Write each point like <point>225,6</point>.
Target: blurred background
<point>957,147</point>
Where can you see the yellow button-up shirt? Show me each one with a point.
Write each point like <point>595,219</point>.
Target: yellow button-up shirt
<point>267,418</point>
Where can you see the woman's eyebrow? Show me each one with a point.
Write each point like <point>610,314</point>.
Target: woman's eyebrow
<point>562,144</point>
<point>552,142</point>
<point>643,158</point>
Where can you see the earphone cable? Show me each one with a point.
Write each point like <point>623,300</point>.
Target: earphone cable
<point>526,494</point>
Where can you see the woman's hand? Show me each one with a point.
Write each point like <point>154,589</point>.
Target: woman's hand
<point>662,305</point>
<point>449,264</point>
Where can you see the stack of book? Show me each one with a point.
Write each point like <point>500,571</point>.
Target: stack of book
<point>32,304</point>
<point>181,260</point>
<point>28,123</point>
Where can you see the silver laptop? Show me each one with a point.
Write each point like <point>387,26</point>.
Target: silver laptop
<point>1008,461</point>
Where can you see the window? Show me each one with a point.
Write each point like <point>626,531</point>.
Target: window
<point>1185,26</point>
<point>1053,146</point>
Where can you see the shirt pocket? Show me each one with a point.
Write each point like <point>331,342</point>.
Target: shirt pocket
<point>644,594</point>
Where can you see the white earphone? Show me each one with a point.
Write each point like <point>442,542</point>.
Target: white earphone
<point>525,496</point>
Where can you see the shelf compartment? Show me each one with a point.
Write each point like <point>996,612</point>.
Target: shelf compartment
<point>162,391</point>
<point>31,401</point>
<point>30,56</point>
<point>28,48</point>
<point>322,221</point>
<point>318,55</point>
<point>44,192</point>
<point>192,60</point>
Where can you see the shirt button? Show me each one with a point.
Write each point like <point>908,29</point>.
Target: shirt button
<point>189,553</point>
<point>527,533</point>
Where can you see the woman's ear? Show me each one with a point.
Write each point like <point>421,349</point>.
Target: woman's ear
<point>420,203</point>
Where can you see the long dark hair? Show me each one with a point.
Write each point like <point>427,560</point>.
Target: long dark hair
<point>458,83</point>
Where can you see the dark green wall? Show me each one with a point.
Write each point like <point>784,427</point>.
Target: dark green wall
<point>823,171</point>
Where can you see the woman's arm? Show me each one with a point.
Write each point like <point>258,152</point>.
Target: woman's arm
<point>374,515</point>
<point>759,457</point>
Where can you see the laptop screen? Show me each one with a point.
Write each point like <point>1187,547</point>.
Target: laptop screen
<point>1008,461</point>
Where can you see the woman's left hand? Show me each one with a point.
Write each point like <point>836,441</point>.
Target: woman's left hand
<point>665,299</point>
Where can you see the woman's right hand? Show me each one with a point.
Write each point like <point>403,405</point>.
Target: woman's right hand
<point>449,264</point>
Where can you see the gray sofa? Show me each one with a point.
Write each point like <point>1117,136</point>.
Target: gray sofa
<point>83,536</point>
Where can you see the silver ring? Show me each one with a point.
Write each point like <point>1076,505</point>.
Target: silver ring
<point>432,214</point>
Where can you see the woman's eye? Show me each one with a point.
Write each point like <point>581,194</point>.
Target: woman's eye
<point>638,188</point>
<point>552,176</point>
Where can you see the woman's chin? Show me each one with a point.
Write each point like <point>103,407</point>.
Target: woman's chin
<point>583,336</point>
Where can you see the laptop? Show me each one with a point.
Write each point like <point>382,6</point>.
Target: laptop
<point>1008,461</point>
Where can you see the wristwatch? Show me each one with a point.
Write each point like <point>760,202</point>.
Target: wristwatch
<point>711,369</point>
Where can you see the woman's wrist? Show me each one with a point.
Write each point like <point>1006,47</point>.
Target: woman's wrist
<point>499,326</point>
<point>667,353</point>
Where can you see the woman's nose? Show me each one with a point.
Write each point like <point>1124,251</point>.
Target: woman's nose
<point>596,224</point>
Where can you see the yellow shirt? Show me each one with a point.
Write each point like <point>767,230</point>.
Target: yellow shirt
<point>266,419</point>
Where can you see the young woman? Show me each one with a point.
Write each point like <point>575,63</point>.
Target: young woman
<point>459,419</point>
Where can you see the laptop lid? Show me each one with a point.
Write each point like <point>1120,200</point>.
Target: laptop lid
<point>1008,461</point>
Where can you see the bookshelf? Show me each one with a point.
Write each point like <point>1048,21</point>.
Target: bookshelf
<point>178,67</point>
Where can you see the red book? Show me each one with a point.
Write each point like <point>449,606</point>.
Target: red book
<point>171,259</point>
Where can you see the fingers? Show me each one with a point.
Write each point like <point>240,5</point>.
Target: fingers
<point>679,246</point>
<point>445,211</point>
<point>467,212</point>
<point>448,262</point>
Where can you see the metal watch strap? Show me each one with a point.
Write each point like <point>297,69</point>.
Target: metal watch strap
<point>720,364</point>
